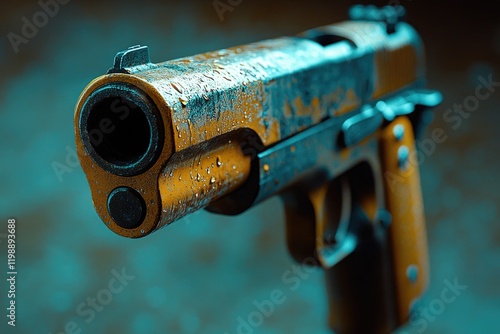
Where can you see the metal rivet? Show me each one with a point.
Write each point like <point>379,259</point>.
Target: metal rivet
<point>403,155</point>
<point>398,131</point>
<point>412,273</point>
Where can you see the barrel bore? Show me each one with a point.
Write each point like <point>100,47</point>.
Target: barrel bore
<point>122,137</point>
<point>120,129</point>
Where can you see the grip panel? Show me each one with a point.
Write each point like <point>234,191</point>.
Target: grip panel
<point>407,234</point>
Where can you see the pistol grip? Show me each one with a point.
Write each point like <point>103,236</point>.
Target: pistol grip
<point>373,289</point>
<point>359,280</point>
<point>407,234</point>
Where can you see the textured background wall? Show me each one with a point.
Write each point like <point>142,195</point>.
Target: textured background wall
<point>202,273</point>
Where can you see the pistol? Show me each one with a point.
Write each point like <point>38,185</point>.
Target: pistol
<point>327,120</point>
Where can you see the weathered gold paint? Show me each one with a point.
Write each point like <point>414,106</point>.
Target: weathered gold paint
<point>246,114</point>
<point>193,179</point>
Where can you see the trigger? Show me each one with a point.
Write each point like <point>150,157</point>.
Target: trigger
<point>334,220</point>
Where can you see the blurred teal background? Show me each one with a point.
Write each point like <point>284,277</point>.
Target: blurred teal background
<point>202,273</point>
